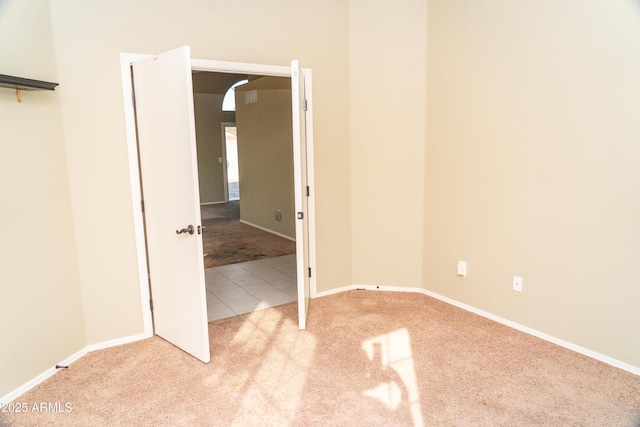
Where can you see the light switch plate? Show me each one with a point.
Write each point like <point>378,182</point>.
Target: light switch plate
<point>462,268</point>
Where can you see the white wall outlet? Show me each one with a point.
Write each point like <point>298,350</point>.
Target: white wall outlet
<point>462,268</point>
<point>517,283</point>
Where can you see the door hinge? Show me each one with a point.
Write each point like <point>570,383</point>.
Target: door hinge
<point>151,304</point>
<point>142,205</point>
<point>307,191</point>
<point>309,271</point>
<point>305,105</point>
<point>300,215</point>
<point>133,99</point>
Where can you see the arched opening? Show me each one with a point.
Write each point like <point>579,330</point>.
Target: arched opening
<point>229,100</point>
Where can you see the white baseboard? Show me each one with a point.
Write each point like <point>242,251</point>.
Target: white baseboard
<point>40,378</point>
<point>527,330</point>
<point>367,288</point>
<point>125,340</point>
<point>117,342</point>
<point>334,291</point>
<point>267,230</point>
<point>66,362</point>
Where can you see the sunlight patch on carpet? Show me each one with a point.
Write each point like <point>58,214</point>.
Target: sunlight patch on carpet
<point>275,386</point>
<point>391,365</point>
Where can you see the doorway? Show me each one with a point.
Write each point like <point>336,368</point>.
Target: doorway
<point>134,172</point>
<point>249,239</point>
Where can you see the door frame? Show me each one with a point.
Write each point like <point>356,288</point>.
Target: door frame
<point>126,59</point>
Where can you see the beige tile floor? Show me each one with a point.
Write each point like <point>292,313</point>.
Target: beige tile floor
<point>253,285</point>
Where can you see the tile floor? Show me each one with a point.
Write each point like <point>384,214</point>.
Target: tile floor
<point>253,285</point>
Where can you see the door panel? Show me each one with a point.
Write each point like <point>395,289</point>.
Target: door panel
<point>300,187</point>
<point>168,169</point>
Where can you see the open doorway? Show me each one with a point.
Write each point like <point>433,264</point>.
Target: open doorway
<point>303,178</point>
<point>249,226</point>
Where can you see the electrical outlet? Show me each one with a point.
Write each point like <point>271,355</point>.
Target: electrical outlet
<point>278,215</point>
<point>517,283</point>
<point>462,268</point>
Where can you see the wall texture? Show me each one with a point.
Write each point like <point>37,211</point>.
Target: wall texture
<point>40,308</point>
<point>265,154</point>
<point>387,82</point>
<point>531,165</point>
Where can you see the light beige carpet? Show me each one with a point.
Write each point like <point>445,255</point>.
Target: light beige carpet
<point>366,359</point>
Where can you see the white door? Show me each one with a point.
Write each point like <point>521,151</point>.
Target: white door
<point>301,187</point>
<point>168,168</point>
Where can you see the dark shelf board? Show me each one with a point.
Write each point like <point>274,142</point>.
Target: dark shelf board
<point>25,84</point>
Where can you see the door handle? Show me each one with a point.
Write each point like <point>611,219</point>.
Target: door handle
<point>189,230</point>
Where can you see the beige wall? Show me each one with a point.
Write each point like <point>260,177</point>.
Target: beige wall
<point>265,154</point>
<point>209,117</point>
<point>89,37</point>
<point>40,308</point>
<point>387,91</point>
<point>209,90</point>
<point>532,165</point>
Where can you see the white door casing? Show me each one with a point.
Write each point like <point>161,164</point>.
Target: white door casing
<point>298,111</point>
<point>167,145</point>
